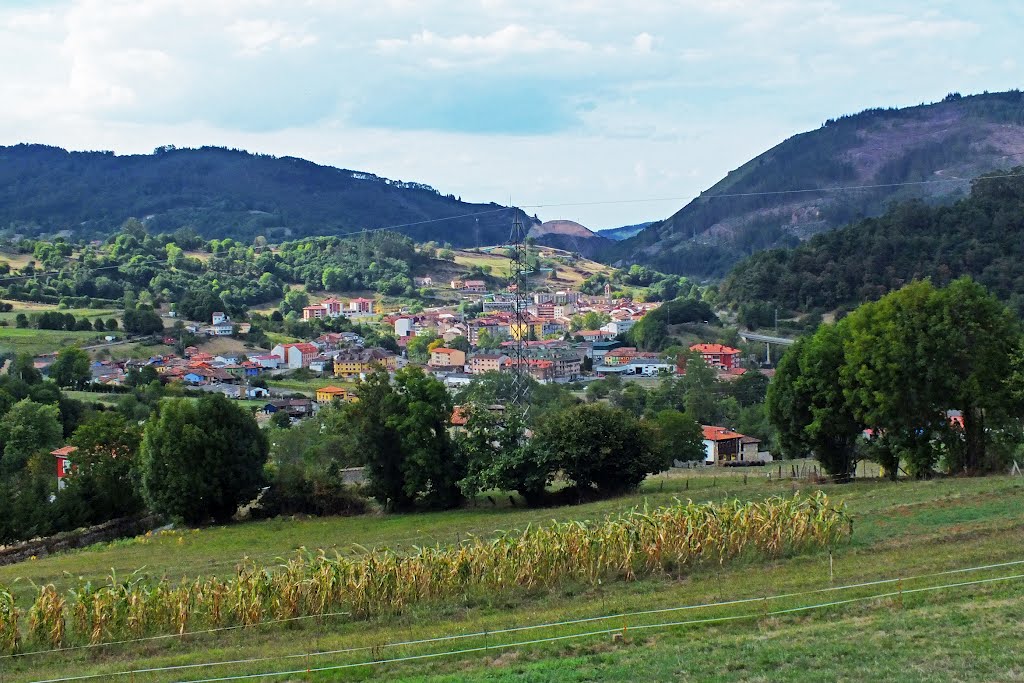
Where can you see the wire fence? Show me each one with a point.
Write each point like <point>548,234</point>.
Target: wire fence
<point>491,639</point>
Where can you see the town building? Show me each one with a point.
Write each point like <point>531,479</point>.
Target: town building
<point>718,355</point>
<point>443,357</point>
<point>295,356</point>
<point>488,362</point>
<point>331,393</point>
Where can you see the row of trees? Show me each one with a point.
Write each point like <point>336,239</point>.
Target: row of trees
<point>413,460</point>
<point>899,367</point>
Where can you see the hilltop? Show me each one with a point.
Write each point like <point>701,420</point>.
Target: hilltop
<point>954,140</point>
<point>570,236</point>
<point>226,193</point>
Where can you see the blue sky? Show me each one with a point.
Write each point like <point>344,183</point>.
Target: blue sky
<point>546,103</point>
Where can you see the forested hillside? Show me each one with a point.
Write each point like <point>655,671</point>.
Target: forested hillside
<point>980,236</point>
<point>225,193</point>
<point>752,208</point>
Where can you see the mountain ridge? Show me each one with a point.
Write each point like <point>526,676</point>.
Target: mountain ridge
<point>225,192</point>
<point>781,197</point>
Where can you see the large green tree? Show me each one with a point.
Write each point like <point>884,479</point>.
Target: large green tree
<point>71,368</point>
<point>402,431</point>
<point>807,405</point>
<point>27,428</point>
<point>499,455</point>
<point>678,436</point>
<point>601,449</point>
<point>106,477</point>
<point>202,458</point>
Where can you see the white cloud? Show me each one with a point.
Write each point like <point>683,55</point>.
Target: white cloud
<point>255,36</point>
<point>509,40</point>
<point>546,101</point>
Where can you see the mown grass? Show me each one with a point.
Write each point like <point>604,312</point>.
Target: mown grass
<point>901,529</point>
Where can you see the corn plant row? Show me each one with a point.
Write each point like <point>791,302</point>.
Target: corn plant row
<point>646,542</point>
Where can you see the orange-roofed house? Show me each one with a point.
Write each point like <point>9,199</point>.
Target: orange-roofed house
<point>460,416</point>
<point>721,445</point>
<point>64,465</point>
<point>330,393</point>
<point>718,355</point>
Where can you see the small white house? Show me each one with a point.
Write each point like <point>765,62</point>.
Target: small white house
<point>617,327</point>
<point>219,317</point>
<point>403,327</point>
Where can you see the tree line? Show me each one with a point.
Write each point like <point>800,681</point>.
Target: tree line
<point>926,377</point>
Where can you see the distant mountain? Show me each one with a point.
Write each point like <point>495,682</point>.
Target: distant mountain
<point>624,232</point>
<point>783,196</point>
<point>570,236</point>
<point>226,193</point>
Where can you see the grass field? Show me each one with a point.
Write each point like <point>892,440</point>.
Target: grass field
<point>498,261</point>
<point>36,342</point>
<point>902,529</point>
<point>29,307</point>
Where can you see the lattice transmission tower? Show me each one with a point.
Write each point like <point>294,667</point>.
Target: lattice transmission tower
<point>518,270</point>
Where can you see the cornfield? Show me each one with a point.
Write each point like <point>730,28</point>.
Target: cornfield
<point>638,543</point>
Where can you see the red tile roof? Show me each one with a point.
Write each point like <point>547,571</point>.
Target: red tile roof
<point>712,433</point>
<point>459,416</point>
<point>714,348</point>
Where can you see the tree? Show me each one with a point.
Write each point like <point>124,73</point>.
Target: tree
<point>460,343</point>
<point>142,321</point>
<point>418,347</point>
<point>981,337</point>
<point>23,368</point>
<point>201,458</point>
<point>27,428</point>
<point>601,449</point>
<point>294,301</point>
<point>895,376</point>
<point>99,325</point>
<point>402,430</point>
<point>111,325</point>
<point>71,368</point>
<point>486,341</point>
<point>281,420</point>
<point>807,404</point>
<point>21,321</point>
<point>699,385</point>
<point>499,457</point>
<point>678,436</point>
<point>105,477</point>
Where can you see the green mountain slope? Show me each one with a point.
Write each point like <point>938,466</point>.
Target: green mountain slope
<point>981,236</point>
<point>950,142</point>
<point>225,193</point>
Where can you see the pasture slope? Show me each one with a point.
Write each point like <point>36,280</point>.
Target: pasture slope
<point>802,616</point>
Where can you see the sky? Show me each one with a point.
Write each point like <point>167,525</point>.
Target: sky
<point>569,103</point>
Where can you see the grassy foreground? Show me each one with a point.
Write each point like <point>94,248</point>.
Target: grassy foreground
<point>902,529</point>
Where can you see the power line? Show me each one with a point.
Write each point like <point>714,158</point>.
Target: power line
<point>805,190</point>
<point>703,196</point>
